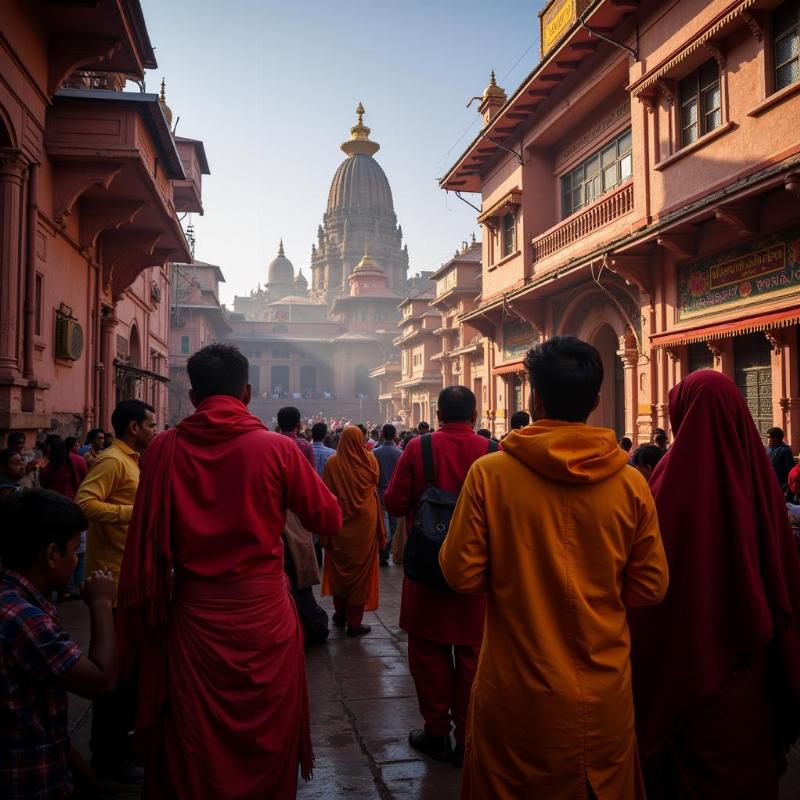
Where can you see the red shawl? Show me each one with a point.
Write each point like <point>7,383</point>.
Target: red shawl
<point>733,564</point>
<point>147,575</point>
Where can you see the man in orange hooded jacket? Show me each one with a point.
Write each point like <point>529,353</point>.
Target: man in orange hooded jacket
<point>562,535</point>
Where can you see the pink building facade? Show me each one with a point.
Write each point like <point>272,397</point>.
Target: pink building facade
<point>91,184</point>
<point>641,189</point>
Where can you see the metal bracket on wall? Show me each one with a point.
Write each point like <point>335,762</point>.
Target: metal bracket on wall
<point>634,51</point>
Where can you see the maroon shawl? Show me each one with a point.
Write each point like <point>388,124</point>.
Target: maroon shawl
<point>734,568</point>
<point>147,576</point>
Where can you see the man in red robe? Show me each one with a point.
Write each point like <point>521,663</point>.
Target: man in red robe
<point>204,604</point>
<point>444,629</point>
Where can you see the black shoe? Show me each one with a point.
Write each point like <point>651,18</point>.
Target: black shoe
<point>439,748</point>
<point>383,563</point>
<point>457,759</point>
<point>359,631</point>
<point>338,621</point>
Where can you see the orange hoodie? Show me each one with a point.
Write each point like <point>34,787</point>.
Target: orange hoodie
<point>562,535</point>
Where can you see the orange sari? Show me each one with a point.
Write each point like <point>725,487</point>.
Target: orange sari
<point>351,557</point>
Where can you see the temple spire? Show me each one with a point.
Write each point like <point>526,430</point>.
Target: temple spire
<point>280,248</point>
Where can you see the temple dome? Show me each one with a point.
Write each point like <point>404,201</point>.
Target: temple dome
<point>360,183</point>
<point>280,269</point>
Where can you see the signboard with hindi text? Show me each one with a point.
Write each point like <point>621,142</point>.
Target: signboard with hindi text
<point>556,19</point>
<point>518,338</point>
<point>770,267</point>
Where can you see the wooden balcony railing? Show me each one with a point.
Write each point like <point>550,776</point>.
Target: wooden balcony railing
<point>605,210</point>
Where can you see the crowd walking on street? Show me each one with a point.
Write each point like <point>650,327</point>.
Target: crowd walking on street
<point>584,619</point>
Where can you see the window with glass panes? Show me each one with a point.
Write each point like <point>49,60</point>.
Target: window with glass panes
<point>701,102</point>
<point>601,172</point>
<point>508,235</point>
<point>786,35</point>
<point>185,345</point>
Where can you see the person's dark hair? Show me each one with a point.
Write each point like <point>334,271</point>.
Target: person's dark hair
<point>659,432</point>
<point>519,419</point>
<point>487,434</point>
<point>566,374</point>
<point>14,438</point>
<point>218,369</point>
<point>32,520</point>
<point>58,455</point>
<point>128,411</point>
<point>70,442</point>
<point>362,428</point>
<point>375,432</point>
<point>94,432</point>
<point>626,444</point>
<point>319,430</point>
<point>5,456</point>
<point>456,404</point>
<point>647,455</point>
<point>424,426</point>
<point>288,419</point>
<point>776,433</point>
<point>389,432</point>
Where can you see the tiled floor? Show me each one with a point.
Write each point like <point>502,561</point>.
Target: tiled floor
<point>362,707</point>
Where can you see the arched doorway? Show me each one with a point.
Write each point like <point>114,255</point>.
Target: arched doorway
<point>135,348</point>
<point>610,412</point>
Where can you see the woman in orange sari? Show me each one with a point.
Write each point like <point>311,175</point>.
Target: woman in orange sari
<point>350,573</point>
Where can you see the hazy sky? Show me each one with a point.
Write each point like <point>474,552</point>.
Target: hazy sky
<point>271,89</point>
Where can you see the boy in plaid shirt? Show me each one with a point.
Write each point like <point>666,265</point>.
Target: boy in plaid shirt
<point>39,664</point>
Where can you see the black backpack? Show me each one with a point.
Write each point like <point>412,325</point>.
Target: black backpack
<point>431,523</point>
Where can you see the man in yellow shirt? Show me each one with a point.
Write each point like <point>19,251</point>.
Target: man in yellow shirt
<point>106,498</point>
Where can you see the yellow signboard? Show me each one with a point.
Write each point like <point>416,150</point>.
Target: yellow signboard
<point>556,19</point>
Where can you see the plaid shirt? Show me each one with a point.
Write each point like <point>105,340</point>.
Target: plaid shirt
<point>34,652</point>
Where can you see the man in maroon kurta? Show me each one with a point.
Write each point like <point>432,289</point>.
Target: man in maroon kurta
<point>444,628</point>
<point>204,604</point>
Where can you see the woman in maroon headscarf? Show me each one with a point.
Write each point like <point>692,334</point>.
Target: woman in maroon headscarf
<point>716,667</point>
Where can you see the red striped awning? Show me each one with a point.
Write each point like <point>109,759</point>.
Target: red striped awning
<point>508,369</point>
<point>724,330</point>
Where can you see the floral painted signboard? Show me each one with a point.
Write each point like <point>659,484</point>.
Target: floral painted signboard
<point>740,277</point>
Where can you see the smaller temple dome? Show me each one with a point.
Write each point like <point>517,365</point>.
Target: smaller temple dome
<point>493,90</point>
<point>280,269</point>
<point>367,262</point>
<point>300,282</point>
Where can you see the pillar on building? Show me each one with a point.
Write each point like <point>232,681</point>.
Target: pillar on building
<point>12,171</point>
<point>108,325</point>
<point>629,353</point>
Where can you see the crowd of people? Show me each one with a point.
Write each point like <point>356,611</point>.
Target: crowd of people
<point>584,619</point>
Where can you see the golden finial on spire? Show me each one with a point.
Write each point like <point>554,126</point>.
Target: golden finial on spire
<point>163,103</point>
<point>367,261</point>
<point>359,137</point>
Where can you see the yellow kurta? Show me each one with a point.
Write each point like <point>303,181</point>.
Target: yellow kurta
<point>563,535</point>
<point>106,497</point>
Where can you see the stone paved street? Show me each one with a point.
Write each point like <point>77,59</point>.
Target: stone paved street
<point>362,707</point>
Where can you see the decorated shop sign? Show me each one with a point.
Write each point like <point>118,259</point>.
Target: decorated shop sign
<point>518,338</point>
<point>740,277</point>
<point>556,19</point>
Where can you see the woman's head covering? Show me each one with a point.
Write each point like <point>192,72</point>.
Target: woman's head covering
<point>734,566</point>
<point>352,474</point>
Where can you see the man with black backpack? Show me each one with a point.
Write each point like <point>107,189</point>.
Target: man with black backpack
<point>444,628</point>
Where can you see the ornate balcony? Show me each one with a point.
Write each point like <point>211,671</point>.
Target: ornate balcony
<point>609,207</point>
